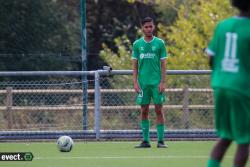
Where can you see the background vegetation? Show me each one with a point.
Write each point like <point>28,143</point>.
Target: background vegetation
<point>186,26</point>
<point>46,34</point>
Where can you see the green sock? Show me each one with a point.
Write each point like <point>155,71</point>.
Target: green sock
<point>145,129</point>
<point>160,132</point>
<point>213,163</point>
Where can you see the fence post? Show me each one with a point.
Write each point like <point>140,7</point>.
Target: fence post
<point>186,108</point>
<point>97,104</point>
<point>84,64</point>
<point>9,103</point>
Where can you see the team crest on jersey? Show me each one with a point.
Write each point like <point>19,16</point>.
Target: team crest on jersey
<point>142,48</point>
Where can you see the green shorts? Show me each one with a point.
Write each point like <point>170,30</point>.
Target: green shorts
<point>148,92</point>
<point>232,115</point>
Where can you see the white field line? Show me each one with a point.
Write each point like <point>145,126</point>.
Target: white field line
<point>132,157</point>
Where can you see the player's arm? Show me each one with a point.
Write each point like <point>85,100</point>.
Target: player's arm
<point>135,56</point>
<point>212,47</point>
<point>163,67</point>
<point>210,59</point>
<point>163,75</point>
<point>135,75</point>
<point>210,54</point>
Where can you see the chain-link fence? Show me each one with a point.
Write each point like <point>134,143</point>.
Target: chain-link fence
<point>50,102</point>
<point>42,104</point>
<point>189,103</point>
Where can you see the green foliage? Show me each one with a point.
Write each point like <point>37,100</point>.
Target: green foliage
<point>190,34</point>
<point>36,35</point>
<point>39,26</point>
<point>186,39</point>
<point>53,27</point>
<point>46,34</point>
<point>122,58</point>
<point>169,10</point>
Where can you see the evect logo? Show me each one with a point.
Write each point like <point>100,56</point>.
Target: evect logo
<point>147,56</point>
<point>16,156</point>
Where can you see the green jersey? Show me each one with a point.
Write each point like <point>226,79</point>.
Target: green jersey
<point>230,48</point>
<point>149,55</point>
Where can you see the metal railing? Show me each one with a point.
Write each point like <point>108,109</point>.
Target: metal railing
<point>101,111</point>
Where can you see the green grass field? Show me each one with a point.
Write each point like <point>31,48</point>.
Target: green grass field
<point>116,154</point>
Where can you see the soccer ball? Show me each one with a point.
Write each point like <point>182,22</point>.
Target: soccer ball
<point>65,143</point>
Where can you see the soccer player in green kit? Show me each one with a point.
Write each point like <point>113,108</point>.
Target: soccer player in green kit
<point>149,71</point>
<point>229,53</point>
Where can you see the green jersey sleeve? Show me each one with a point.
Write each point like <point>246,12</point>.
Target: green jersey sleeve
<point>163,52</point>
<point>135,51</point>
<point>211,49</point>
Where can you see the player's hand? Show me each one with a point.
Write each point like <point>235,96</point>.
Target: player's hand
<point>137,88</point>
<point>161,87</point>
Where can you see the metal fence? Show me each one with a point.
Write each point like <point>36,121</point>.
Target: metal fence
<point>45,105</point>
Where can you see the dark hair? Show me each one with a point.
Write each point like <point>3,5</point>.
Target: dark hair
<point>146,19</point>
<point>242,5</point>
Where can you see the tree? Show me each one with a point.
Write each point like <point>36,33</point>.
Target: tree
<point>186,38</point>
<point>46,34</point>
<point>190,34</point>
<point>110,19</point>
<point>38,35</point>
<point>120,57</point>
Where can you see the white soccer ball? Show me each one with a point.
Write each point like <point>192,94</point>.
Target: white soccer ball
<point>65,143</point>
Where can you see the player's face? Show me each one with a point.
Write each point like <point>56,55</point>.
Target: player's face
<point>148,29</point>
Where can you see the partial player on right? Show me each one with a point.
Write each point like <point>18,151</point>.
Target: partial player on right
<point>229,53</point>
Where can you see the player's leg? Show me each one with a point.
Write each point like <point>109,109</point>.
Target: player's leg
<point>240,125</point>
<point>159,99</point>
<point>145,125</point>
<point>160,122</point>
<point>159,114</point>
<point>218,152</point>
<point>160,126</point>
<point>143,99</point>
<point>241,156</point>
<point>223,127</point>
